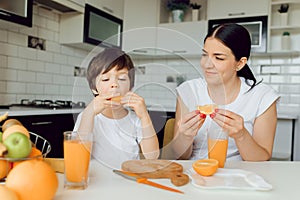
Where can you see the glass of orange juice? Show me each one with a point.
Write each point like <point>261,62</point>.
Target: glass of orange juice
<point>77,156</point>
<point>217,143</point>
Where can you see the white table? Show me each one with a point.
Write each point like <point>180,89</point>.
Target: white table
<point>105,185</point>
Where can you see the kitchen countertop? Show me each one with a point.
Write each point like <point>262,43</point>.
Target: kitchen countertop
<point>104,184</point>
<point>38,111</point>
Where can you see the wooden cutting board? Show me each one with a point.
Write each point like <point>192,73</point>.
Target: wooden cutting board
<point>157,169</point>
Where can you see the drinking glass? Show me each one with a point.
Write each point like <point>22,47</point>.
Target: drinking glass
<point>217,142</point>
<point>77,156</point>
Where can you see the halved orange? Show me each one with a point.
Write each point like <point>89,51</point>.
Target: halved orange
<point>207,109</point>
<point>206,167</point>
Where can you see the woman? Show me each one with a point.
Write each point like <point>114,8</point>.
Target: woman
<point>246,109</point>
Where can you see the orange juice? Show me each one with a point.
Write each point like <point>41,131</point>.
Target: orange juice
<point>217,149</point>
<point>77,156</point>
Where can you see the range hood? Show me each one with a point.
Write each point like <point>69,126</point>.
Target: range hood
<point>61,6</point>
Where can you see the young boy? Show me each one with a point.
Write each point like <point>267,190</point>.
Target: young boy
<point>118,131</point>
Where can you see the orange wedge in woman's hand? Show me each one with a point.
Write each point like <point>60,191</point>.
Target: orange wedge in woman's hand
<point>207,109</point>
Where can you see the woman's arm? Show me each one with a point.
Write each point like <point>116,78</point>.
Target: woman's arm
<point>257,147</point>
<point>186,128</point>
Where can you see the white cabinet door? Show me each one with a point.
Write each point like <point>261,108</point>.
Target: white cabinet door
<point>113,7</point>
<point>219,9</point>
<point>182,38</point>
<point>140,21</point>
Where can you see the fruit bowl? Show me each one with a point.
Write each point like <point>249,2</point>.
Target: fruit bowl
<point>40,143</point>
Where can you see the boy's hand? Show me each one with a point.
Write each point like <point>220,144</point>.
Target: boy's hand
<point>103,101</point>
<point>135,102</point>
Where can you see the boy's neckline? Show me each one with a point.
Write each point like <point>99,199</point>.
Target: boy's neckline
<point>120,114</point>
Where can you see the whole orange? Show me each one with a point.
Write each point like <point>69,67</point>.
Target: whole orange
<point>5,167</point>
<point>7,194</point>
<point>34,154</point>
<point>33,180</point>
<point>15,128</point>
<point>9,123</point>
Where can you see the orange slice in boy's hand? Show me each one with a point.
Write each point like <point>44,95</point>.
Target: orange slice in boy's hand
<point>207,109</point>
<point>116,99</point>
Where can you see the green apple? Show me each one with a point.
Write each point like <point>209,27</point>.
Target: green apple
<point>18,145</point>
<point>1,136</point>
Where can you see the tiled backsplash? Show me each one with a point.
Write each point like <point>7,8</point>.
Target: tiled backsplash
<point>282,74</point>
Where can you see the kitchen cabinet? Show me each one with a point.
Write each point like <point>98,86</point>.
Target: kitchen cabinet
<point>50,127</point>
<point>284,139</point>
<point>219,9</point>
<point>113,7</point>
<point>182,38</point>
<point>159,119</point>
<point>140,21</point>
<point>277,28</point>
<point>17,11</point>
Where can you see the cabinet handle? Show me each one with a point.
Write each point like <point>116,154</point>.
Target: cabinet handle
<point>40,123</point>
<point>3,13</point>
<point>140,51</point>
<point>179,51</point>
<point>236,14</point>
<point>108,9</point>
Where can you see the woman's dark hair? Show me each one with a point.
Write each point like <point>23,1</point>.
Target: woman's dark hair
<point>105,61</point>
<point>236,38</point>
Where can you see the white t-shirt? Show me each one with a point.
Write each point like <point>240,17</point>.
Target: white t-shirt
<point>115,140</point>
<point>249,105</point>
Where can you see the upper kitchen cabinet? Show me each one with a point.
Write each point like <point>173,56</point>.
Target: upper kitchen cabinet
<point>62,6</point>
<point>17,11</point>
<point>140,22</point>
<point>183,39</point>
<point>219,9</point>
<point>94,27</point>
<point>284,28</point>
<point>113,7</point>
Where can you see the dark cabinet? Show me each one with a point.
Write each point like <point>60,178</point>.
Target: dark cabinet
<point>17,11</point>
<point>159,119</point>
<point>50,127</point>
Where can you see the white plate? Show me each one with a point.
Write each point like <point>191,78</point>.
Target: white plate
<point>230,179</point>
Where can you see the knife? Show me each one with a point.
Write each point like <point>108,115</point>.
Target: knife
<point>135,177</point>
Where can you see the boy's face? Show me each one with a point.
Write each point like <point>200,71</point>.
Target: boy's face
<point>113,82</point>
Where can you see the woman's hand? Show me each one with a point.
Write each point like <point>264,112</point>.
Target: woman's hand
<point>135,102</point>
<point>191,123</point>
<point>230,122</point>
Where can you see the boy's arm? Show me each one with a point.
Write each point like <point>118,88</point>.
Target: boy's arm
<point>149,143</point>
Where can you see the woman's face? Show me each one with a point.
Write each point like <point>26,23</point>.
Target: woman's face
<point>218,62</point>
<point>114,81</point>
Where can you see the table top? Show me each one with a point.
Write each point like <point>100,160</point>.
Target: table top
<point>104,184</point>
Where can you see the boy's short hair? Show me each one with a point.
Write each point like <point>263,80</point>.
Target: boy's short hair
<point>105,61</point>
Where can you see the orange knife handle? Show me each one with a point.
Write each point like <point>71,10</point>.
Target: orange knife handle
<point>146,181</point>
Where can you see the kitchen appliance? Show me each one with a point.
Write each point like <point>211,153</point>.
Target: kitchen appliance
<point>17,11</point>
<point>46,104</point>
<point>102,28</point>
<point>257,27</point>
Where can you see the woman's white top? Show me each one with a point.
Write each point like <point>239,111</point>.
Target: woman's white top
<point>115,140</point>
<point>248,104</point>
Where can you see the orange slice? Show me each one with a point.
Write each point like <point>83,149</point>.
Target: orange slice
<point>207,109</point>
<point>206,167</point>
<point>116,99</point>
